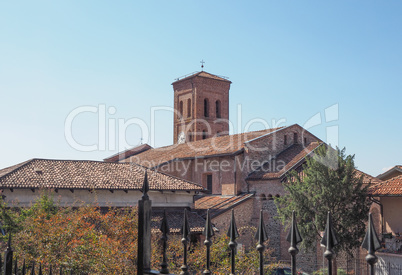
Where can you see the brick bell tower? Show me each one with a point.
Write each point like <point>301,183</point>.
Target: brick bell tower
<point>201,103</point>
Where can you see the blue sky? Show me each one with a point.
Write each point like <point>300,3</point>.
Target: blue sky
<point>288,61</point>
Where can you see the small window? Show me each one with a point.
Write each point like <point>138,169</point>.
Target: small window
<point>206,108</point>
<point>190,136</point>
<point>209,183</point>
<point>218,109</point>
<point>269,197</point>
<point>295,138</point>
<point>188,107</point>
<point>181,109</point>
<point>204,134</point>
<point>285,140</point>
<point>305,140</point>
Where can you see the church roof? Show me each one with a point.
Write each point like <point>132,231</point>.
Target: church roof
<point>284,161</point>
<point>202,74</point>
<point>391,187</point>
<point>128,153</point>
<point>215,146</point>
<point>218,204</point>
<point>396,170</point>
<point>84,174</point>
<point>367,178</point>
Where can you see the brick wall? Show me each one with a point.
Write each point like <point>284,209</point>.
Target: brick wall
<point>266,147</point>
<point>196,89</point>
<point>244,221</point>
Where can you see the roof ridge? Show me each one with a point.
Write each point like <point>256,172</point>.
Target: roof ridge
<point>225,136</point>
<point>18,166</point>
<point>194,74</point>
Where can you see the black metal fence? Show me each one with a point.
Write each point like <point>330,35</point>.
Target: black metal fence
<point>371,244</point>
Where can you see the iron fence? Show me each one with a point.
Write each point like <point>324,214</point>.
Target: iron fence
<point>371,244</point>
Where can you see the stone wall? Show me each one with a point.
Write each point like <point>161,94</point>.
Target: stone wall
<point>102,198</point>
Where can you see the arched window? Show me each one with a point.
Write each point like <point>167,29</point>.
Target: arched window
<point>181,108</point>
<point>188,107</point>
<point>218,108</point>
<point>204,134</point>
<point>269,197</point>
<point>206,108</point>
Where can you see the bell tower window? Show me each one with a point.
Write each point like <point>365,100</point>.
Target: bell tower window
<point>188,107</point>
<point>206,108</point>
<point>218,108</point>
<point>181,109</point>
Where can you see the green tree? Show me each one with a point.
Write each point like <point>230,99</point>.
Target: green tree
<point>329,182</point>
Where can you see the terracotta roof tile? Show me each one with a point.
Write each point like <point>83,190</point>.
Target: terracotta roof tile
<point>283,162</point>
<point>367,178</point>
<point>222,145</point>
<point>391,187</point>
<point>128,153</point>
<point>219,204</point>
<point>80,174</point>
<point>394,170</point>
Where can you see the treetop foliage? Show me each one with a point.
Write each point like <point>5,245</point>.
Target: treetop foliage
<point>328,182</point>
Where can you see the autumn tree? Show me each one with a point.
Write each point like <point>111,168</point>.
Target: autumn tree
<point>328,182</point>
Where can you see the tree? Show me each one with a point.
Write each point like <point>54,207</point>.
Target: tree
<point>328,182</point>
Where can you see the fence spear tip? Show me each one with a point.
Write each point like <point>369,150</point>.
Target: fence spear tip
<point>185,230</point>
<point>371,241</point>
<point>294,236</point>
<point>145,186</point>
<point>329,239</point>
<point>164,224</point>
<point>233,234</point>
<point>208,230</point>
<point>261,236</point>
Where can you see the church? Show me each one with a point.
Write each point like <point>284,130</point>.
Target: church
<point>242,171</point>
<point>205,168</point>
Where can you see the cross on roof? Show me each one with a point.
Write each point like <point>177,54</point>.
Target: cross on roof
<point>202,62</point>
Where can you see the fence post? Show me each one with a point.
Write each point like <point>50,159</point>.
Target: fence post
<point>8,258</point>
<point>208,233</point>
<point>185,230</point>
<point>33,268</point>
<point>294,238</point>
<point>233,234</point>
<point>165,230</point>
<point>144,230</point>
<point>330,241</point>
<point>16,266</point>
<point>261,236</point>
<point>371,243</point>
<point>23,268</point>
